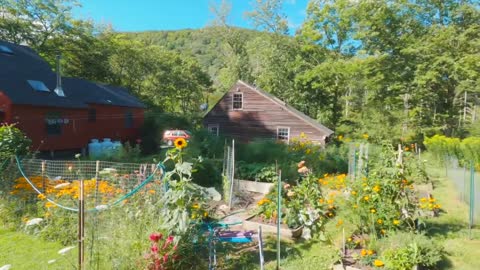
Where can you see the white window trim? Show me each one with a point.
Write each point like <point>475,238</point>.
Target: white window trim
<point>233,95</point>
<point>287,128</point>
<point>214,126</point>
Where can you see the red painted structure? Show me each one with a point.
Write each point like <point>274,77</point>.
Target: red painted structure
<point>87,111</point>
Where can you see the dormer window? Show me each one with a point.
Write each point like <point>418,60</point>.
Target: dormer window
<point>237,101</point>
<point>38,86</point>
<point>5,49</point>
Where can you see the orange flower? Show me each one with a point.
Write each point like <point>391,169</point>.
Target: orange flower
<point>41,196</point>
<point>363,252</point>
<point>151,191</point>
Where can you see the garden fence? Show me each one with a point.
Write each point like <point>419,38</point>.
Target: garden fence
<point>465,177</point>
<point>76,185</point>
<point>228,172</point>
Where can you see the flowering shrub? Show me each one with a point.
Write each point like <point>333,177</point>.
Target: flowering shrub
<point>384,200</point>
<point>162,252</point>
<point>302,205</point>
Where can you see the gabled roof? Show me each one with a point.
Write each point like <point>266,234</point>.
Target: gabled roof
<point>287,108</point>
<point>25,64</point>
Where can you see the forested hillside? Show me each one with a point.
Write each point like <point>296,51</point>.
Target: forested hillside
<point>395,70</point>
<point>205,45</point>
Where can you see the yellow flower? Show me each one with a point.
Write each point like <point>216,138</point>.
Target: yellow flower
<point>196,206</point>
<point>423,199</point>
<point>431,200</point>
<point>340,137</point>
<point>370,252</point>
<point>378,263</point>
<point>354,192</point>
<point>376,188</point>
<point>41,196</point>
<point>363,252</point>
<point>355,206</point>
<point>50,205</point>
<point>180,143</point>
<point>382,231</point>
<point>373,210</point>
<point>205,214</point>
<point>396,222</point>
<point>349,239</point>
<point>379,221</point>
<point>339,223</point>
<point>365,136</point>
<point>366,198</point>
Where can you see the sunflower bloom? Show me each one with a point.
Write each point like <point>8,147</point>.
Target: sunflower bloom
<point>180,143</point>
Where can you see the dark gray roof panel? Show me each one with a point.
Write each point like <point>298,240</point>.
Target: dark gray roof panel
<point>25,64</point>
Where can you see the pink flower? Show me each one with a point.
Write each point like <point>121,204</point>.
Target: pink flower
<point>154,248</point>
<point>155,237</point>
<point>175,247</point>
<point>170,239</point>
<point>165,258</point>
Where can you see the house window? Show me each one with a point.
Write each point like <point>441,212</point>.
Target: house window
<point>38,86</point>
<point>213,129</point>
<point>283,134</point>
<point>238,101</point>
<point>129,119</point>
<point>53,123</point>
<point>92,115</point>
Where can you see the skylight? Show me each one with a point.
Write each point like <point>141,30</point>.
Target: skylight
<point>5,49</point>
<point>38,86</point>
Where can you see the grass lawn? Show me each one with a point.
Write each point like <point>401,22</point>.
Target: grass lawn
<point>24,251</point>
<point>451,228</point>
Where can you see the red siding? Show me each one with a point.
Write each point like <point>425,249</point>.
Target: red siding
<point>5,105</point>
<point>259,118</point>
<point>110,123</point>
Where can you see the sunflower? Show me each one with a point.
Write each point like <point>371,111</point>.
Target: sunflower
<point>180,143</point>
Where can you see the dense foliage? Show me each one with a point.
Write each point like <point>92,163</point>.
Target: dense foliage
<point>398,69</point>
<point>12,142</point>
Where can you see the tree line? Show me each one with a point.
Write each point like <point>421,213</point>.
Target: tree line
<point>393,69</point>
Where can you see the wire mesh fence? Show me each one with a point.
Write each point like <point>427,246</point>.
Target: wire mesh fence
<point>464,177</point>
<point>50,193</point>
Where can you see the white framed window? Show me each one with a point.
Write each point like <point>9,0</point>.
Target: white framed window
<point>283,134</point>
<point>237,101</point>
<point>214,129</point>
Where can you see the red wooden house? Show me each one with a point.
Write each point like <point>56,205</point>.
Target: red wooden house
<point>66,115</point>
<point>247,112</point>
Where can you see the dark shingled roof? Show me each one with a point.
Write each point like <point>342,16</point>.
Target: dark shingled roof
<point>25,64</point>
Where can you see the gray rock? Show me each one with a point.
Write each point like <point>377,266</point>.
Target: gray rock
<point>214,194</point>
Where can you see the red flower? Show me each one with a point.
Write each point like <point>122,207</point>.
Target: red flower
<point>155,237</point>
<point>165,258</point>
<point>170,239</point>
<point>154,248</point>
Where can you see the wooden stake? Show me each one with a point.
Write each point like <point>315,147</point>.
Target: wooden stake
<point>81,223</point>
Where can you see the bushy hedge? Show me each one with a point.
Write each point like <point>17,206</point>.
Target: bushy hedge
<point>13,142</point>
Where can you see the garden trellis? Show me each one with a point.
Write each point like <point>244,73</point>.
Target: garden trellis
<point>85,186</point>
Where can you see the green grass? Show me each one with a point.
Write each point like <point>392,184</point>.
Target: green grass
<point>451,227</point>
<point>28,252</point>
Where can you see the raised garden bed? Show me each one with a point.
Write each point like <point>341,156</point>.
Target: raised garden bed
<point>253,186</point>
<point>253,222</point>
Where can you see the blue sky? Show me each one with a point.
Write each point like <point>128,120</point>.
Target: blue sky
<point>140,15</point>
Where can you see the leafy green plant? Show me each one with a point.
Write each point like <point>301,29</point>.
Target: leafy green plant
<point>405,250</point>
<point>260,172</point>
<point>12,142</point>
